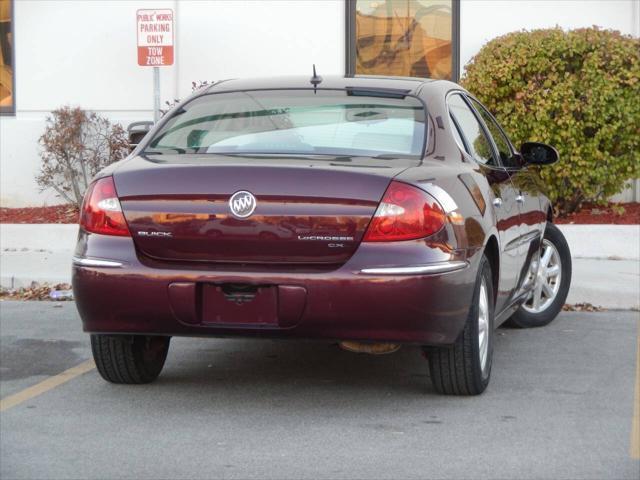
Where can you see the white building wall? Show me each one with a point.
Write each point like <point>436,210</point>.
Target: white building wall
<point>232,39</point>
<point>83,53</point>
<point>482,20</point>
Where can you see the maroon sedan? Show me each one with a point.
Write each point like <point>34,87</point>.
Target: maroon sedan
<point>368,211</point>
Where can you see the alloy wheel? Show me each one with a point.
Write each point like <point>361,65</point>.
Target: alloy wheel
<point>483,325</point>
<point>546,275</point>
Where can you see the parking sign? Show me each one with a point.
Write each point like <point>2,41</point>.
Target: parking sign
<point>155,37</point>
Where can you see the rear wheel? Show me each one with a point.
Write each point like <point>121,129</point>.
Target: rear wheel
<point>464,368</point>
<point>551,278</point>
<point>129,358</point>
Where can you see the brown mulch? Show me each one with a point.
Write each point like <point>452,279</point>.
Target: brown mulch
<point>581,307</point>
<point>37,291</point>
<point>54,214</point>
<point>613,213</point>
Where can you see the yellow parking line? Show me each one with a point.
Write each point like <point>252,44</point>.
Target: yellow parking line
<point>45,385</point>
<point>635,422</point>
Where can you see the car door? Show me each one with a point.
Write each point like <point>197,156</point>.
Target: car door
<point>526,185</point>
<point>478,144</point>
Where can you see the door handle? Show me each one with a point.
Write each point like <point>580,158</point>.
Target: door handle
<point>520,199</point>
<point>497,202</point>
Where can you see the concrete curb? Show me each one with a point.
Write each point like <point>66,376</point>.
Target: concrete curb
<point>615,242</point>
<point>44,236</point>
<point>606,259</point>
<point>40,253</point>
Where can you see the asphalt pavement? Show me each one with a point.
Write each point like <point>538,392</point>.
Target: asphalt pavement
<point>560,405</point>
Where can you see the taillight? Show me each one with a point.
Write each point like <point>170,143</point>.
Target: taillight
<point>405,213</point>
<point>101,211</point>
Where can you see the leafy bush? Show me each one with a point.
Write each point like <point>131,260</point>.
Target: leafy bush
<point>578,91</point>
<point>76,144</point>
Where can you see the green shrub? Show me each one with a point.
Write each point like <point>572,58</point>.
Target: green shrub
<point>578,91</point>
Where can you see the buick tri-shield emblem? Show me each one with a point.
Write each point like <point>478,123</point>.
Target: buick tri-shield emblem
<point>242,204</point>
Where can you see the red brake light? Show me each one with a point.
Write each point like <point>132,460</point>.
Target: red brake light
<point>405,213</point>
<point>101,211</point>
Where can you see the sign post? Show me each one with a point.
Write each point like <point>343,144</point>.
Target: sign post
<point>155,46</point>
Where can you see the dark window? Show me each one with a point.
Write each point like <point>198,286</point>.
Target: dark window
<point>7,74</point>
<point>476,142</point>
<point>501,141</point>
<point>416,38</point>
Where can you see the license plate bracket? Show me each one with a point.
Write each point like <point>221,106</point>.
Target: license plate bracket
<point>240,304</point>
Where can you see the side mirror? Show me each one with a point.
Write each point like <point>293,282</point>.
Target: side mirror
<point>136,132</point>
<point>534,153</point>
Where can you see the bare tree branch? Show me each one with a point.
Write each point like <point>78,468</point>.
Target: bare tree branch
<point>76,145</point>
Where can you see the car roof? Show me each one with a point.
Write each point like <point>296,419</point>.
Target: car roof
<point>410,85</point>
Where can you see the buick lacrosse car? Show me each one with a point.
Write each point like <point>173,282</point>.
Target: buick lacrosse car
<point>371,212</point>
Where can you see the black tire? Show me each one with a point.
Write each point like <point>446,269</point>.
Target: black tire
<point>132,359</point>
<point>457,369</point>
<point>527,319</point>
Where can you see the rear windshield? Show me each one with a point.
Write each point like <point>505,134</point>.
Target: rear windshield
<point>298,122</point>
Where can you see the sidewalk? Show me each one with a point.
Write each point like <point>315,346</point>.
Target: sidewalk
<point>605,283</point>
<point>606,260</point>
<point>606,264</point>
<point>40,253</point>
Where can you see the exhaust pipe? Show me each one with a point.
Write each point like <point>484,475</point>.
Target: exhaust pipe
<point>370,348</point>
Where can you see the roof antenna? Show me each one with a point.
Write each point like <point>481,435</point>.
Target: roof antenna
<point>315,79</point>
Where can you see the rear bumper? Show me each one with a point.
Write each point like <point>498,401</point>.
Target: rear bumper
<point>385,304</point>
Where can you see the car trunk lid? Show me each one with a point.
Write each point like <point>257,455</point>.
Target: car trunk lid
<point>307,210</point>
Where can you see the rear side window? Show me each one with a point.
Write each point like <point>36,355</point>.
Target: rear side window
<point>476,142</point>
<point>303,122</point>
<point>456,134</point>
<point>504,149</point>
